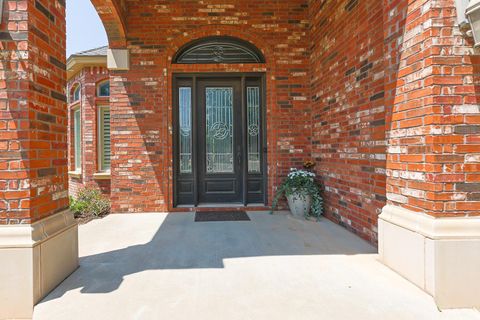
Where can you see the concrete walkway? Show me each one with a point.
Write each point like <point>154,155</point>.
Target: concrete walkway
<point>165,266</point>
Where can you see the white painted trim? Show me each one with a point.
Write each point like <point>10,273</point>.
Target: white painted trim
<point>102,175</point>
<point>77,63</point>
<point>431,227</point>
<point>75,174</point>
<point>31,235</point>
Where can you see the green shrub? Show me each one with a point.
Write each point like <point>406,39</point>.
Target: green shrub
<point>302,183</point>
<point>90,203</point>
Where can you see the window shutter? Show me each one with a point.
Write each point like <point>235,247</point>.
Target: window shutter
<point>105,138</point>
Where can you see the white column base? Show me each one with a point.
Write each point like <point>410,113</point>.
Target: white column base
<point>34,259</point>
<point>439,255</point>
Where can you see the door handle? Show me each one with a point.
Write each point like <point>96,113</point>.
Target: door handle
<point>239,155</point>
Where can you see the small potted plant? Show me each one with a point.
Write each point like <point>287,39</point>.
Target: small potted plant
<point>302,193</point>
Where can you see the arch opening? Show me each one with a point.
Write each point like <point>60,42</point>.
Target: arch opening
<point>111,13</point>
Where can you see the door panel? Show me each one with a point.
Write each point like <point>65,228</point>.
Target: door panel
<point>219,130</point>
<point>253,129</point>
<point>185,126</point>
<point>221,186</point>
<point>220,144</point>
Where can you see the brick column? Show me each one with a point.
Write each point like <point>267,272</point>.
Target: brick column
<point>430,230</point>
<point>38,236</point>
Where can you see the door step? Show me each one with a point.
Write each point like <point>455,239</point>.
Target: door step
<point>221,207</point>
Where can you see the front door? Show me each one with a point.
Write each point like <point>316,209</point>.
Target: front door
<point>220,143</point>
<point>219,153</point>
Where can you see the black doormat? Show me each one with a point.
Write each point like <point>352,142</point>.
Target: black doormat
<point>221,216</point>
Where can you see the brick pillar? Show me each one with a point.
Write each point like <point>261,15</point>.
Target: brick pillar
<point>430,229</point>
<point>38,236</point>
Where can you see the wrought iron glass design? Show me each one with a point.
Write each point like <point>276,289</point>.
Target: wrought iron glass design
<point>219,127</point>
<point>219,50</point>
<point>253,129</point>
<point>185,119</point>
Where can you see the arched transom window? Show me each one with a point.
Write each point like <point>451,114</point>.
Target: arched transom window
<point>75,94</point>
<point>219,50</point>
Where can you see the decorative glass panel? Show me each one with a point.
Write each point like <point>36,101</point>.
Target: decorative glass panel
<point>185,119</point>
<point>253,129</point>
<point>104,89</point>
<point>219,135</point>
<point>104,138</point>
<point>219,50</point>
<point>76,94</point>
<point>77,127</point>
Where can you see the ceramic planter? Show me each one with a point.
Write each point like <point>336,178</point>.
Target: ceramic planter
<point>299,205</point>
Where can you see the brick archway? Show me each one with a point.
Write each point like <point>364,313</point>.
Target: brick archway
<point>269,68</point>
<point>431,105</point>
<point>112,14</point>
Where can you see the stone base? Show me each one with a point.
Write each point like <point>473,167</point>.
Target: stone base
<point>34,260</point>
<point>441,256</point>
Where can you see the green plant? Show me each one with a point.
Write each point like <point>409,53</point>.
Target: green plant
<point>89,203</point>
<point>301,183</point>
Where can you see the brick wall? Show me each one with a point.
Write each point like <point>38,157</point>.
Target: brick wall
<point>348,110</point>
<point>402,67</point>
<point>33,162</point>
<point>434,141</point>
<point>88,79</point>
<point>141,104</point>
<point>340,74</point>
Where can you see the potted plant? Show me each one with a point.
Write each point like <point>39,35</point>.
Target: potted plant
<point>302,193</point>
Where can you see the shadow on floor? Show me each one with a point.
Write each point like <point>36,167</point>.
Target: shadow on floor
<point>181,243</point>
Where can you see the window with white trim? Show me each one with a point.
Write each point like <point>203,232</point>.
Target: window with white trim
<point>77,136</point>
<point>103,89</point>
<point>104,138</point>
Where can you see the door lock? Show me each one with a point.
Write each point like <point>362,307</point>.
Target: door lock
<point>239,155</point>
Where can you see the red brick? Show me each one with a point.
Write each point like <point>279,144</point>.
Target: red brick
<point>21,161</point>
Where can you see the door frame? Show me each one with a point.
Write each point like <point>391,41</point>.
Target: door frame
<point>177,79</point>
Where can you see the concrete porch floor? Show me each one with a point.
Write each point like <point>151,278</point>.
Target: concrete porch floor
<point>165,266</point>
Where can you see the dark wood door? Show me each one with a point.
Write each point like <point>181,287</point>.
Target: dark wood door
<point>219,139</point>
<point>220,144</point>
